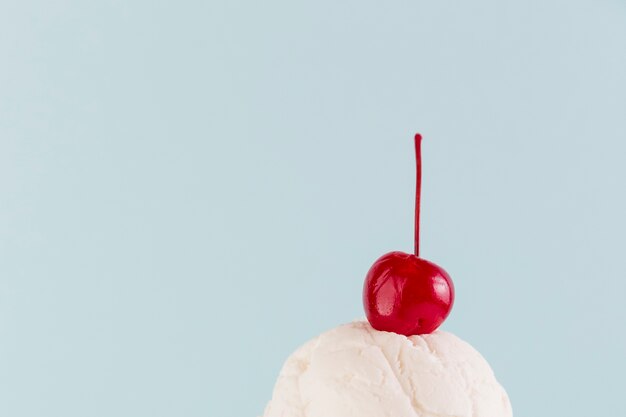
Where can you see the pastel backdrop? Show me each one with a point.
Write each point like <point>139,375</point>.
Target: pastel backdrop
<point>190,190</point>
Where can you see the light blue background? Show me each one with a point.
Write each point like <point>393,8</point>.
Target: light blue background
<point>189,190</point>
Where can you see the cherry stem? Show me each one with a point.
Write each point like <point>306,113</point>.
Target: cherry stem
<point>418,190</point>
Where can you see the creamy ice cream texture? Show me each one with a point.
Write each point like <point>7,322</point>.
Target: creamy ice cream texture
<point>357,371</point>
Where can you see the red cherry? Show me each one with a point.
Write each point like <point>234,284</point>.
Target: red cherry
<point>407,295</point>
<point>404,293</point>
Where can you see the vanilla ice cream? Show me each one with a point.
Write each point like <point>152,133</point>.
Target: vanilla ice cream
<point>357,371</point>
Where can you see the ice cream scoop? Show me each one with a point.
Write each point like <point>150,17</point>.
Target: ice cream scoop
<point>397,364</point>
<point>357,371</point>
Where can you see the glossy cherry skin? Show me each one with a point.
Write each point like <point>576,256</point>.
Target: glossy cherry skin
<point>407,295</point>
